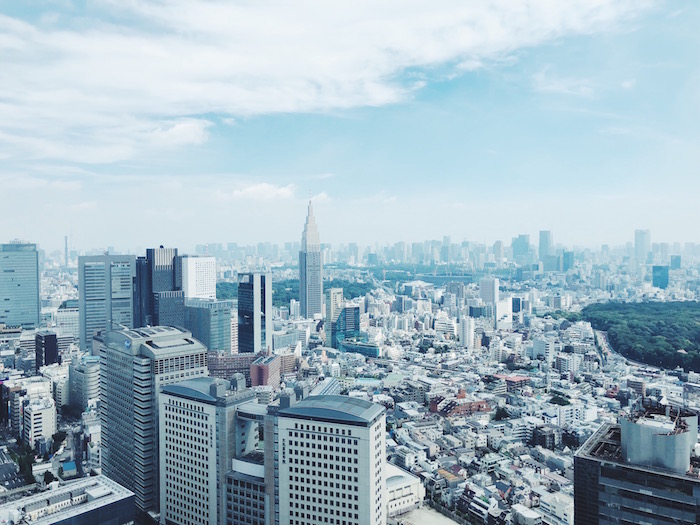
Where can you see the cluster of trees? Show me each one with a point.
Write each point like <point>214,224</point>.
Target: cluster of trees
<point>285,290</point>
<point>659,334</point>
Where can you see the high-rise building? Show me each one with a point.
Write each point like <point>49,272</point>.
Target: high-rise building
<point>346,325</point>
<point>158,295</point>
<point>134,366</point>
<point>46,349</point>
<point>19,285</point>
<point>68,319</point>
<point>106,286</point>
<point>467,328</point>
<point>520,246</point>
<point>310,269</point>
<point>546,246</point>
<point>568,261</point>
<point>642,470</point>
<point>334,302</point>
<point>642,246</point>
<point>199,277</point>
<point>209,321</point>
<point>254,313</point>
<point>659,276</point>
<point>84,381</point>
<point>334,444</point>
<point>488,289</point>
<point>200,435</point>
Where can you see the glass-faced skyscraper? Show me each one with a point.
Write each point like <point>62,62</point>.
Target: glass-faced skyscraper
<point>19,285</point>
<point>310,269</point>
<point>254,313</point>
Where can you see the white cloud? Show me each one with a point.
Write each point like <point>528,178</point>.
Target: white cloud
<point>260,191</point>
<point>105,84</point>
<point>545,82</point>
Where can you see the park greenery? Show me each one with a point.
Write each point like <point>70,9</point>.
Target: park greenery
<point>659,334</point>
<point>285,290</point>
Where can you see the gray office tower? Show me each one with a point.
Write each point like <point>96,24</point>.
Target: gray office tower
<point>159,298</point>
<point>546,247</point>
<point>134,366</point>
<point>106,286</point>
<point>209,320</point>
<point>254,313</point>
<point>19,285</point>
<point>642,470</point>
<point>310,269</point>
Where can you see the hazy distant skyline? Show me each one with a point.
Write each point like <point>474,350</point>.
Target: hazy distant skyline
<point>134,124</point>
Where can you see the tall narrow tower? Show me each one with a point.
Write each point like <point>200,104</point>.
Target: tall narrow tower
<point>310,269</point>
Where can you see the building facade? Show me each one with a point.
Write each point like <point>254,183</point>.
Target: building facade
<point>134,366</point>
<point>209,321</point>
<point>199,277</point>
<point>254,313</point>
<point>310,269</point>
<point>19,285</point>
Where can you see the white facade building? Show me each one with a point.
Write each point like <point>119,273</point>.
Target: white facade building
<point>39,421</point>
<point>199,277</point>
<point>404,491</point>
<point>332,448</point>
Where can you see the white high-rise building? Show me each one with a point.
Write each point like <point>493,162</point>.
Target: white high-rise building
<point>488,288</point>
<point>310,269</point>
<point>134,366</point>
<point>39,421</point>
<point>199,436</point>
<point>467,326</point>
<point>332,462</point>
<point>199,277</point>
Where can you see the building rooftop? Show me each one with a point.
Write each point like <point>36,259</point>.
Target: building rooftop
<point>200,389</point>
<point>341,409</point>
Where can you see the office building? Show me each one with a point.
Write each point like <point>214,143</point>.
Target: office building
<point>16,393</point>
<point>134,366</point>
<point>488,288</point>
<point>266,371</point>
<point>346,326</point>
<point>675,262</point>
<point>546,246</point>
<point>85,501</point>
<point>46,349</point>
<point>68,319</point>
<point>254,313</point>
<point>642,470</point>
<point>200,435</point>
<point>245,491</point>
<point>310,269</point>
<point>19,285</point>
<point>58,375</point>
<point>84,381</point>
<point>332,448</point>
<point>521,246</point>
<point>334,302</point>
<point>467,329</point>
<point>568,261</point>
<point>106,286</point>
<point>199,277</point>
<point>209,320</point>
<point>158,295</point>
<point>659,276</point>
<point>38,421</point>
<point>642,246</point>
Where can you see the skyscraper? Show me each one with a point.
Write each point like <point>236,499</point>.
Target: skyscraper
<point>199,277</point>
<point>334,302</point>
<point>659,276</point>
<point>254,312</point>
<point>199,437</point>
<point>134,366</point>
<point>310,269</point>
<point>642,246</point>
<point>546,246</point>
<point>106,286</point>
<point>209,321</point>
<point>19,284</point>
<point>158,296</point>
<point>488,289</point>
<point>335,444</point>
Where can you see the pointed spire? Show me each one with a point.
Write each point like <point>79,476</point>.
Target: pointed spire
<point>309,238</point>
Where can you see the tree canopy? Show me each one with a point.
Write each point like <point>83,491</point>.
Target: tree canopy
<point>659,334</point>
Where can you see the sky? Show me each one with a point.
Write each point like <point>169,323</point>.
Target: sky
<point>134,123</point>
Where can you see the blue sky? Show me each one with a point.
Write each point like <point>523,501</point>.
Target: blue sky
<point>135,123</point>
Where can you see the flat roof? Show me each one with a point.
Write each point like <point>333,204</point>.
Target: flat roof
<point>340,409</point>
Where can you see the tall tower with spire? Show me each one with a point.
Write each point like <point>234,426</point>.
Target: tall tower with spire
<point>310,269</point>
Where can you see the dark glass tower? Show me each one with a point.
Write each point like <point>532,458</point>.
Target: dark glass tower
<point>158,297</point>
<point>254,312</point>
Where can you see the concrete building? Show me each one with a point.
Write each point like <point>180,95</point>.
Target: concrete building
<point>404,491</point>
<point>266,371</point>
<point>38,421</point>
<point>83,502</point>
<point>134,366</point>
<point>84,381</point>
<point>641,471</point>
<point>19,285</point>
<point>17,392</point>
<point>68,319</point>
<point>488,288</point>
<point>199,277</point>
<point>199,437</point>
<point>58,375</point>
<point>254,313</point>
<point>310,269</point>
<point>106,285</point>
<point>332,448</point>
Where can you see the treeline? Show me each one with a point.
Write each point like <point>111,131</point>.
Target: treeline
<point>659,334</point>
<point>285,290</point>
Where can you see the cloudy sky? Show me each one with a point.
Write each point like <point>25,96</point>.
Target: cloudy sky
<point>133,123</point>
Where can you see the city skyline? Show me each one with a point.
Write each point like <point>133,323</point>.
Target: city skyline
<point>453,120</point>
